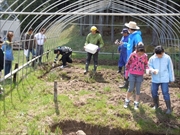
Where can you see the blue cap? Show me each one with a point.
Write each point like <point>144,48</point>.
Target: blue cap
<point>125,30</point>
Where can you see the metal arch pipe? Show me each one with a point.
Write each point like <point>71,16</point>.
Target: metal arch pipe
<point>47,20</point>
<point>148,8</point>
<point>74,9</point>
<point>169,33</point>
<point>37,17</point>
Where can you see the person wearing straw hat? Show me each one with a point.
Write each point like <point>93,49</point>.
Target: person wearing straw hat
<point>94,37</point>
<point>134,39</point>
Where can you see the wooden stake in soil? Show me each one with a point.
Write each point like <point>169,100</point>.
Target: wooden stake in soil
<point>15,75</point>
<point>55,91</point>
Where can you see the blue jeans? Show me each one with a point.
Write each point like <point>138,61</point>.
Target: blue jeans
<point>164,88</point>
<point>32,51</point>
<point>8,65</point>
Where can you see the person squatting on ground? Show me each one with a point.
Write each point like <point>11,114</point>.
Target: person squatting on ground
<point>134,39</point>
<point>40,39</point>
<point>65,52</point>
<point>161,69</point>
<point>30,44</point>
<point>94,37</point>
<point>8,52</point>
<point>122,49</point>
<point>135,67</point>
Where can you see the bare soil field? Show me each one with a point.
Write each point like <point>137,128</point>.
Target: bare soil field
<point>74,80</point>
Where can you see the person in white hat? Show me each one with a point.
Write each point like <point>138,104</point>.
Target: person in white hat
<point>134,39</point>
<point>94,37</point>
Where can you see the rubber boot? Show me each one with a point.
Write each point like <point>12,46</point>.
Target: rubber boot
<point>156,102</point>
<point>95,68</point>
<point>86,68</point>
<point>119,70</point>
<point>125,85</point>
<point>168,105</point>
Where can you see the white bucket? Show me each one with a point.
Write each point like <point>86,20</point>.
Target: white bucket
<point>91,48</point>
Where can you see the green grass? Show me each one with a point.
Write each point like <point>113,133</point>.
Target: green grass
<point>28,106</point>
<point>31,106</point>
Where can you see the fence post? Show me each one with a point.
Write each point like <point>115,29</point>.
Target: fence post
<point>15,75</point>
<point>47,55</point>
<point>55,91</point>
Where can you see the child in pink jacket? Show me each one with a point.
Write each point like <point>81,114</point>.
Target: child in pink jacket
<point>135,67</point>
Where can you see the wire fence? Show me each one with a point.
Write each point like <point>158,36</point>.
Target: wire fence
<point>162,18</point>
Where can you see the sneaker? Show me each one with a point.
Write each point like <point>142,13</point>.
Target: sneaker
<point>53,65</point>
<point>85,71</point>
<point>62,66</point>
<point>136,105</point>
<point>126,104</point>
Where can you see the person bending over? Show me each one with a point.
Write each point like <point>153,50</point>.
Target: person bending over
<point>65,52</point>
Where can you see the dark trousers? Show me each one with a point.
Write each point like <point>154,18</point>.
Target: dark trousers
<point>95,59</point>
<point>65,58</point>
<point>39,51</point>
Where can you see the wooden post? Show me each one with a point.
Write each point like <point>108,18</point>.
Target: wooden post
<point>47,55</point>
<point>15,75</point>
<point>55,91</point>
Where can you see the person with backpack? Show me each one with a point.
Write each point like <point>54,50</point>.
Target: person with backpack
<point>94,37</point>
<point>7,48</point>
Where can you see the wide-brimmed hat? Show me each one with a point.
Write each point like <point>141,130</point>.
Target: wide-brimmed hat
<point>125,30</point>
<point>132,25</point>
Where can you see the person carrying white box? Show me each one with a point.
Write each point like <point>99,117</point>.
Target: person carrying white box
<point>92,46</point>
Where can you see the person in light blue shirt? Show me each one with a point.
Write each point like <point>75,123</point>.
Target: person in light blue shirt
<point>161,69</point>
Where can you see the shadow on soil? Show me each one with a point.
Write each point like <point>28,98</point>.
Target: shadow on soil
<point>70,127</point>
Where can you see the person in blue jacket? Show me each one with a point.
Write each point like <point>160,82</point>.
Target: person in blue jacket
<point>134,39</point>
<point>134,36</point>
<point>161,69</point>
<point>8,52</point>
<point>122,49</point>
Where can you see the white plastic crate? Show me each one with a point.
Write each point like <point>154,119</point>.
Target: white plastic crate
<point>91,48</point>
